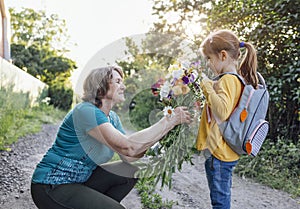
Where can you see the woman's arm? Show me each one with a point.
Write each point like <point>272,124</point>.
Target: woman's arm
<point>131,159</point>
<point>138,142</point>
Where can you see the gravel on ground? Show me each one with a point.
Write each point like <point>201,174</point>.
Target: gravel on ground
<point>189,189</point>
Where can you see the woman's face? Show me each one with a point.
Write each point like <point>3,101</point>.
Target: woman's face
<point>116,88</point>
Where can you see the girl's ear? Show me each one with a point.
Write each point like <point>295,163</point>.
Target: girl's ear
<point>223,55</point>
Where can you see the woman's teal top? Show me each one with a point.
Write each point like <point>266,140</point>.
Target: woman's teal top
<point>75,154</point>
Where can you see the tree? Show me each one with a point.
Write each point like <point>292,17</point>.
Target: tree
<point>38,47</point>
<point>30,27</point>
<point>272,26</point>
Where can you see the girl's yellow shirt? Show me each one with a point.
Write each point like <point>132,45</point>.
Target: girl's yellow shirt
<point>222,97</point>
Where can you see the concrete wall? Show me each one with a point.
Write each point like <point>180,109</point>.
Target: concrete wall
<point>4,31</point>
<point>10,75</point>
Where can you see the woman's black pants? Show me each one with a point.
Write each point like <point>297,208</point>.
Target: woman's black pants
<point>105,189</point>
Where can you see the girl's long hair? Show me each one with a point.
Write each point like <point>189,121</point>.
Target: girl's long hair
<point>228,41</point>
<point>248,66</point>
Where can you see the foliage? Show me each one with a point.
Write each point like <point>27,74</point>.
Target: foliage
<point>277,165</point>
<point>149,199</point>
<point>186,19</point>
<point>41,63</point>
<point>61,94</point>
<point>38,48</point>
<point>178,148</point>
<point>148,62</point>
<point>272,26</point>
<point>11,107</point>
<point>145,64</point>
<point>141,115</point>
<point>17,118</point>
<point>32,27</point>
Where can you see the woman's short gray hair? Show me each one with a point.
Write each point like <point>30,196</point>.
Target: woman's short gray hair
<point>96,84</point>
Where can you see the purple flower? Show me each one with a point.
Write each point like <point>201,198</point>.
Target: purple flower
<point>192,77</point>
<point>196,64</point>
<point>185,79</point>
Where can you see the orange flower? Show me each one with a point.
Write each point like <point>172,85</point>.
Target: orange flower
<point>180,88</point>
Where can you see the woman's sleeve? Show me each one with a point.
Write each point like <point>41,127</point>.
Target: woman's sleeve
<point>117,122</point>
<point>88,117</point>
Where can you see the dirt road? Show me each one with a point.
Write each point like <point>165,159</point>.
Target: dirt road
<point>189,190</point>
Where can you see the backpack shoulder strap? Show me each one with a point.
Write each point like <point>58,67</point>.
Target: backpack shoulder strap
<point>261,80</point>
<point>231,73</point>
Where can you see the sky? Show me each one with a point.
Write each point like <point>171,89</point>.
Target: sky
<point>94,24</point>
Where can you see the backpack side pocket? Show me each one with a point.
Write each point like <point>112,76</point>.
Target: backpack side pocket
<point>258,135</point>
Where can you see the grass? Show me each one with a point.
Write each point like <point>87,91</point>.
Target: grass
<point>18,119</point>
<point>149,198</point>
<point>277,166</point>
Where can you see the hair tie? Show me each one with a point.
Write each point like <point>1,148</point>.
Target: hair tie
<point>242,44</point>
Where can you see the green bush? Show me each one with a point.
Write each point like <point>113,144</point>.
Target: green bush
<point>277,165</point>
<point>149,199</point>
<point>17,118</point>
<point>12,107</point>
<point>60,95</point>
<point>143,109</point>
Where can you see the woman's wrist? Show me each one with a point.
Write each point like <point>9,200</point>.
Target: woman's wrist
<point>180,115</point>
<point>168,122</point>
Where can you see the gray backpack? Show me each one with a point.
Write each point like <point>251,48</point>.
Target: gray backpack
<point>246,128</point>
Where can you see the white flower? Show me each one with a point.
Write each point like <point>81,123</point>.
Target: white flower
<point>195,73</point>
<point>185,64</point>
<point>46,100</point>
<point>169,111</point>
<point>177,74</point>
<point>194,76</point>
<point>165,90</point>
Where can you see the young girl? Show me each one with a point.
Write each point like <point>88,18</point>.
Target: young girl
<point>221,49</point>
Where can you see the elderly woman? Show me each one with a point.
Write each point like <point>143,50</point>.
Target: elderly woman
<point>74,172</point>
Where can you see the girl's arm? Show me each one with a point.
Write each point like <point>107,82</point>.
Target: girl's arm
<point>221,96</point>
<point>137,143</point>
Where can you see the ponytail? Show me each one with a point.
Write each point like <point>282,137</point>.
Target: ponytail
<point>248,65</point>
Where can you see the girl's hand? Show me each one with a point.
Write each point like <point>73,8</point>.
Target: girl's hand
<point>182,115</point>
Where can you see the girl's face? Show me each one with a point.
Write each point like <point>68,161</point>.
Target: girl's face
<point>214,63</point>
<point>116,89</point>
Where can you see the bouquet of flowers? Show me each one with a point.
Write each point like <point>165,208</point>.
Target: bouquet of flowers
<point>179,88</point>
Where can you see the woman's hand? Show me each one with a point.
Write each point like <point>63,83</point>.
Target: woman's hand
<point>182,115</point>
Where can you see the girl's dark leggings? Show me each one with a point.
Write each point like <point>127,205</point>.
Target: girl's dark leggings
<point>103,190</point>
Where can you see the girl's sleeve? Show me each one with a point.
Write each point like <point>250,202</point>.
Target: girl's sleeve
<point>221,96</point>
